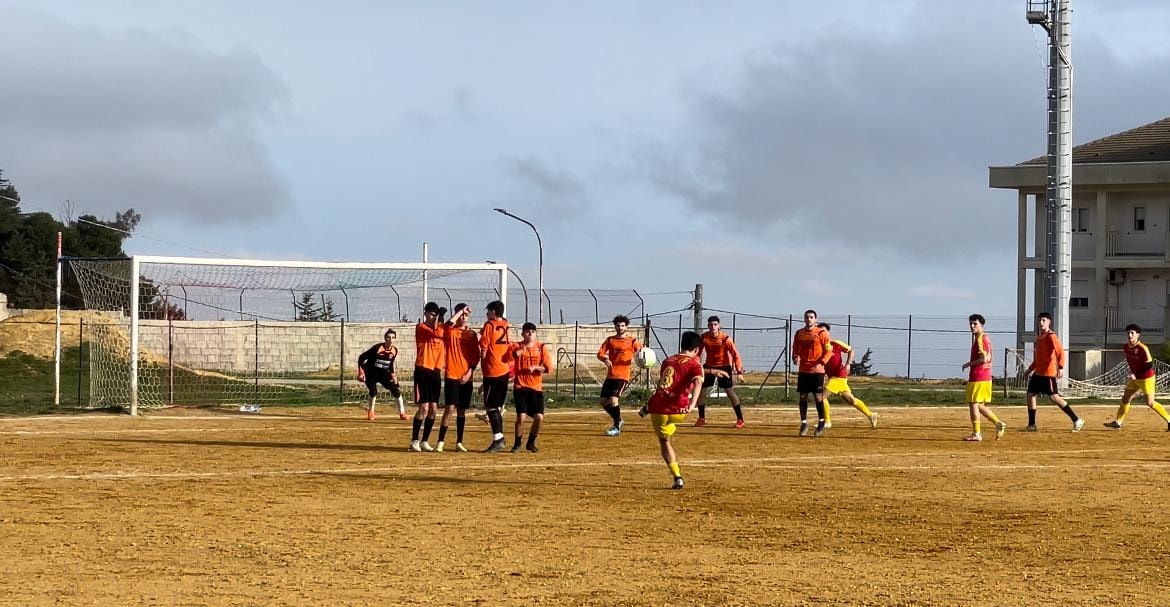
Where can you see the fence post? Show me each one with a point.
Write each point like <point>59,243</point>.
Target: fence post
<point>646,323</point>
<point>256,359</point>
<point>698,307</point>
<point>596,313</point>
<point>733,328</point>
<point>849,329</point>
<point>788,358</point>
<point>80,358</point>
<point>1006,352</point>
<point>680,332</point>
<point>576,346</point>
<point>341,367</point>
<point>170,362</point>
<point>909,342</point>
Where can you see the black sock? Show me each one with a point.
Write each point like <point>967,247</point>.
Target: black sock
<point>496,421</point>
<point>427,425</point>
<point>702,410</point>
<point>442,433</point>
<point>531,440</point>
<point>803,410</point>
<point>1069,412</point>
<point>615,412</point>
<point>820,411</point>
<point>519,437</point>
<point>738,411</point>
<point>1031,417</point>
<point>460,422</point>
<point>416,425</point>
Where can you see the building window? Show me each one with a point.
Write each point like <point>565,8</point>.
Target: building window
<point>1078,302</point>
<point>1080,220</point>
<point>1139,219</point>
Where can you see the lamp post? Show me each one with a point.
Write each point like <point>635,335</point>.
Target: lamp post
<point>523,288</point>
<point>539,267</point>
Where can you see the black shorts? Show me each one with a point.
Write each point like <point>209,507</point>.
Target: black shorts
<point>529,402</point>
<point>458,395</point>
<point>613,388</point>
<point>1043,385</point>
<point>495,391</point>
<point>372,382</point>
<point>724,382</point>
<point>809,383</point>
<point>427,384</point>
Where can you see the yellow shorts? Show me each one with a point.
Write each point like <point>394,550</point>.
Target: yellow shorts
<point>837,385</point>
<point>1134,386</point>
<point>979,391</point>
<point>665,425</point>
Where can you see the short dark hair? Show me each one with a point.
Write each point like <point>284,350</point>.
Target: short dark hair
<point>1133,327</point>
<point>459,307</point>
<point>977,317</point>
<point>431,308</point>
<point>690,341</point>
<point>497,307</point>
<point>1044,315</point>
<point>824,325</point>
<point>528,327</point>
<point>621,318</point>
<point>807,312</point>
<point>390,332</point>
<point>711,319</point>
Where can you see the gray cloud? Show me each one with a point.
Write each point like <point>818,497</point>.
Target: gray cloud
<point>556,193</point>
<point>881,140</point>
<point>136,119</point>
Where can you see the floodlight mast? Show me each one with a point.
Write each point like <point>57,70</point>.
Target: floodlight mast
<point>1053,16</point>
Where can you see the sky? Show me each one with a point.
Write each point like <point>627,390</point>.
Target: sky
<point>786,155</point>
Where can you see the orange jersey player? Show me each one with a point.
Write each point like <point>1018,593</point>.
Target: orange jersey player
<point>430,356</point>
<point>462,348</point>
<point>532,362</point>
<point>721,364</point>
<point>1046,369</point>
<point>494,346</point>
<point>810,352</point>
<point>617,352</point>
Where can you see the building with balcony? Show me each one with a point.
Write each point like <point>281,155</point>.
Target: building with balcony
<point>1120,242</point>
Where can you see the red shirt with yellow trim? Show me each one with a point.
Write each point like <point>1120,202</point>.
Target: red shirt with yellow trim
<point>674,383</point>
<point>836,366</point>
<point>1141,363</point>
<point>980,347</point>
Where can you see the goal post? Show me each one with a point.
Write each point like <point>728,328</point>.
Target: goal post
<point>187,330</point>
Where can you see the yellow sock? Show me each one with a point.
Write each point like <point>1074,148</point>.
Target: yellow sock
<point>860,406</point>
<point>674,470</point>
<point>1160,410</point>
<point>993,418</point>
<point>827,420</point>
<point>1121,411</point>
<point>975,426</point>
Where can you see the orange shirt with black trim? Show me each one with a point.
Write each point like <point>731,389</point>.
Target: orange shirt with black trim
<point>1049,355</point>
<point>619,351</point>
<point>1141,362</point>
<point>462,346</point>
<point>719,351</point>
<point>493,346</point>
<point>428,343</point>
<point>812,347</point>
<point>526,357</point>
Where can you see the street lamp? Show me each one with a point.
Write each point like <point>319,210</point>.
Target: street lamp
<point>539,267</point>
<point>522,288</point>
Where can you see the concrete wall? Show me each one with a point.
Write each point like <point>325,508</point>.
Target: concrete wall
<point>301,347</point>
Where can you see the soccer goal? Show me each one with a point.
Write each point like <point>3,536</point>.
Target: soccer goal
<point>191,331</point>
<point>1110,384</point>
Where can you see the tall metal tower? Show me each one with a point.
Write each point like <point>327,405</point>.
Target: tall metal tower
<point>1053,16</point>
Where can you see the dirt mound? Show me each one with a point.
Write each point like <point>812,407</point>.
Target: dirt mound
<point>33,332</point>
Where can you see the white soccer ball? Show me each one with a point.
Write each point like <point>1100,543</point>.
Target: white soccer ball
<point>645,358</point>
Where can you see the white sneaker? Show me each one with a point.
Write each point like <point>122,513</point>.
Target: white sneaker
<point>414,446</point>
<point>460,448</point>
<point>426,446</point>
<point>616,430</point>
<point>1000,428</point>
<point>873,421</point>
<point>1077,425</point>
<point>973,437</point>
<point>439,447</point>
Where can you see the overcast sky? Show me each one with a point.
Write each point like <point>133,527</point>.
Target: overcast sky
<point>787,154</point>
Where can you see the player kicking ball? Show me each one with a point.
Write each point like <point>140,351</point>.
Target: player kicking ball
<point>679,385</point>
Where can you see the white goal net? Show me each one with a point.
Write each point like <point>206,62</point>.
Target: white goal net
<point>187,331</point>
<point>1108,385</point>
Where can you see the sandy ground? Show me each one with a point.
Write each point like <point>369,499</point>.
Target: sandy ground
<point>320,507</point>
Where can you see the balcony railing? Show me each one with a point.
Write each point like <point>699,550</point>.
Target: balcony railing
<point>1151,320</point>
<point>1121,245</point>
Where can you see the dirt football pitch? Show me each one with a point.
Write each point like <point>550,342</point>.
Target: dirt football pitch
<point>317,506</point>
